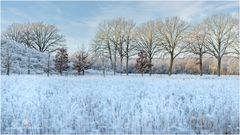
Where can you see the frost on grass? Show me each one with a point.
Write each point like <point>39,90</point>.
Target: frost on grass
<point>119,104</point>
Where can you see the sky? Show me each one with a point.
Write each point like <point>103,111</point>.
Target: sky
<point>78,20</point>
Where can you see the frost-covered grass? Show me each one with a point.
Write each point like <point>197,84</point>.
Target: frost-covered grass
<point>119,104</point>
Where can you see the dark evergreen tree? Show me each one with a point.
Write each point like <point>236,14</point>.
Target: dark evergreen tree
<point>82,62</point>
<point>143,64</point>
<point>61,60</point>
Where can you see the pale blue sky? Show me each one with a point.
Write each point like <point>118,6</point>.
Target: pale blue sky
<point>78,20</point>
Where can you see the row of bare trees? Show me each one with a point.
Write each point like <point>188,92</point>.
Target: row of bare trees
<point>120,38</point>
<point>114,39</point>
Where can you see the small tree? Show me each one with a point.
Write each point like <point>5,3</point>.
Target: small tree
<point>61,60</point>
<point>82,61</point>
<point>143,64</point>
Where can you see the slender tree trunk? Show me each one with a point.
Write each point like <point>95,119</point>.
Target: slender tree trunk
<point>8,61</point>
<point>150,71</point>
<point>110,55</point>
<point>121,62</point>
<point>48,66</point>
<point>28,71</point>
<point>200,64</point>
<point>103,63</point>
<point>8,70</point>
<point>83,71</point>
<point>219,66</point>
<point>8,65</point>
<point>127,64</point>
<point>115,60</point>
<point>171,65</point>
<point>127,56</point>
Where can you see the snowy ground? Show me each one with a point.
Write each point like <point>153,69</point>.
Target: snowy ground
<point>119,104</point>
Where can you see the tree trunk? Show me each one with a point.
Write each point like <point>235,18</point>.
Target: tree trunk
<point>150,71</point>
<point>28,71</point>
<point>8,65</point>
<point>115,60</point>
<point>171,65</point>
<point>127,64</point>
<point>121,62</point>
<point>200,64</point>
<point>48,66</point>
<point>8,69</point>
<point>83,72</point>
<point>103,67</point>
<point>8,62</point>
<point>219,66</point>
<point>110,55</point>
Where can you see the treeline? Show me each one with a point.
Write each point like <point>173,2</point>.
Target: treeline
<point>119,41</point>
<point>230,66</point>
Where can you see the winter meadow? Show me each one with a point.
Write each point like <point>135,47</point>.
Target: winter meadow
<point>101,67</point>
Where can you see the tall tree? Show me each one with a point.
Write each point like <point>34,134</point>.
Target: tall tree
<point>61,60</point>
<point>196,41</point>
<point>172,32</point>
<point>146,40</point>
<point>129,41</point>
<point>222,33</point>
<point>102,46</point>
<point>118,38</point>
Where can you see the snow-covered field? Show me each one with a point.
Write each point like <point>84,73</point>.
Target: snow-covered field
<point>119,104</point>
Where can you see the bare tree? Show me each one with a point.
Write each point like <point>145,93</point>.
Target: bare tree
<point>146,40</point>
<point>40,36</point>
<point>46,37</point>
<point>117,38</point>
<point>129,41</point>
<point>196,41</point>
<point>82,61</point>
<point>172,33</point>
<point>221,35</point>
<point>102,46</point>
